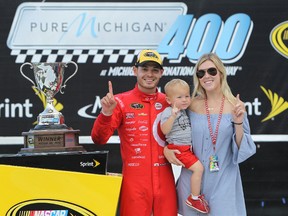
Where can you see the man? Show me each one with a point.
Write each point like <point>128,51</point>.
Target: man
<point>148,186</point>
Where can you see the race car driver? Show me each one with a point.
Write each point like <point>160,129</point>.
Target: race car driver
<point>148,186</point>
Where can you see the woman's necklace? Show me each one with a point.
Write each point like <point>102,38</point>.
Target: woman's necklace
<point>214,166</point>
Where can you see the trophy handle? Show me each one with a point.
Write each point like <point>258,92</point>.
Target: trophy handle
<point>76,69</point>
<point>21,71</point>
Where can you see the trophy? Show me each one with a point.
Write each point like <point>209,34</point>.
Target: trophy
<point>50,133</point>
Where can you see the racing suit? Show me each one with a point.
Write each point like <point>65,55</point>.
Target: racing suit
<point>148,186</point>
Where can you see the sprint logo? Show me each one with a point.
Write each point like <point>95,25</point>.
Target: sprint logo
<point>92,164</point>
<point>278,104</point>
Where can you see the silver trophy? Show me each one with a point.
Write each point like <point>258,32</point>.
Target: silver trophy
<point>49,78</point>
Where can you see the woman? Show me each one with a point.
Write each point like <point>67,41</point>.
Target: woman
<point>220,139</point>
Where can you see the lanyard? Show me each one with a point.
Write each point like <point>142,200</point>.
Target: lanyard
<point>214,136</point>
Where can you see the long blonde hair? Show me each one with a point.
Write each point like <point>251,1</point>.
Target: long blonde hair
<point>199,90</point>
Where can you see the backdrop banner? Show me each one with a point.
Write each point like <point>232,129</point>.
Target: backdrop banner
<point>104,38</point>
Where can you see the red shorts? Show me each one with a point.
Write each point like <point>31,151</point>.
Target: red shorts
<point>187,157</point>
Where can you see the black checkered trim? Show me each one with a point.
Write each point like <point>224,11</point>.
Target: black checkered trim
<point>79,56</point>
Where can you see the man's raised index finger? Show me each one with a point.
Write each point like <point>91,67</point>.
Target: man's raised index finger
<point>110,87</point>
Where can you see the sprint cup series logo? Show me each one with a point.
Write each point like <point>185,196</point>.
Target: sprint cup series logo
<point>279,38</point>
<point>279,41</point>
<point>48,207</point>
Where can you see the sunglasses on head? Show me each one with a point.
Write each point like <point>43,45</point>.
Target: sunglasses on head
<point>211,71</point>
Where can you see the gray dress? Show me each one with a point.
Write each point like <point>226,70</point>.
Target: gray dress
<point>223,189</point>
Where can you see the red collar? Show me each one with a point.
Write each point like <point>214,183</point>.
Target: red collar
<point>145,97</point>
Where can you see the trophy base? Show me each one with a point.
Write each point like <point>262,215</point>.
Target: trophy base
<point>51,150</point>
<point>57,140</point>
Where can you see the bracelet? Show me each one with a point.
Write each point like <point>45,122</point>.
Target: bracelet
<point>236,123</point>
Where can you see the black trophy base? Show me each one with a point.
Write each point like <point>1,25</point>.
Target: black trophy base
<point>25,151</point>
<point>52,140</point>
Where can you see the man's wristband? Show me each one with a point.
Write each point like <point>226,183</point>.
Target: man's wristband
<point>237,123</point>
